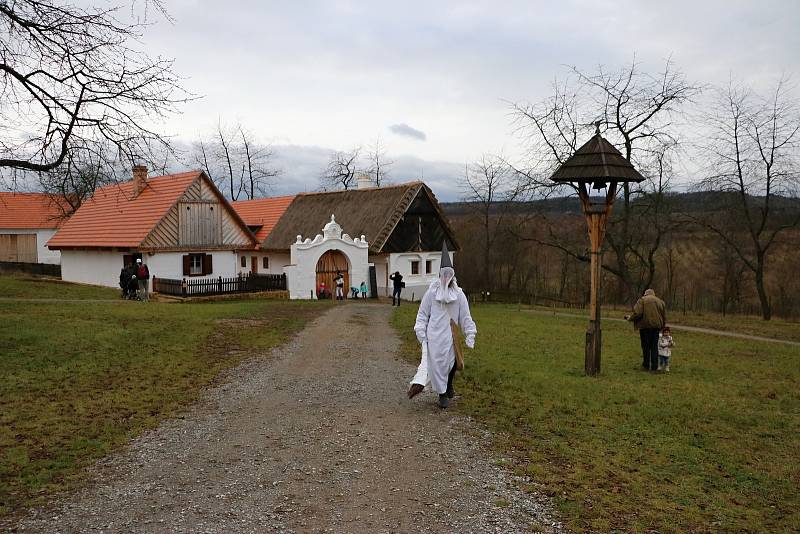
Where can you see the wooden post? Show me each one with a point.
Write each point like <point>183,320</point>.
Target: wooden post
<point>596,219</point>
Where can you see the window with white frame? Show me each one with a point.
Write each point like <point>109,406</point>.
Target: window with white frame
<point>415,267</point>
<point>265,262</point>
<point>428,266</point>
<point>195,264</point>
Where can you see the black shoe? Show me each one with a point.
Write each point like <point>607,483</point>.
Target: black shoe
<point>444,402</point>
<point>450,393</point>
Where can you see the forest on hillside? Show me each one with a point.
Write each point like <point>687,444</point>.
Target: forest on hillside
<point>540,255</point>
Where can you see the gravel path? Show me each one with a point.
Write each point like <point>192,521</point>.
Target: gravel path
<point>316,437</point>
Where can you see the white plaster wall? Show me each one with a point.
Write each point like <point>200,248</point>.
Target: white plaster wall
<point>277,261</point>
<point>416,284</point>
<point>99,268</point>
<point>43,235</point>
<point>170,264</point>
<point>381,275</point>
<point>102,267</point>
<point>301,275</point>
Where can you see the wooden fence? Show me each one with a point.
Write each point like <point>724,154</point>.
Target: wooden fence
<point>220,286</point>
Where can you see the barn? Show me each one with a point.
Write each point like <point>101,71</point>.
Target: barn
<point>365,233</point>
<point>27,222</point>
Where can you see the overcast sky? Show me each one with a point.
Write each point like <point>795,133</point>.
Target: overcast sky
<point>431,78</point>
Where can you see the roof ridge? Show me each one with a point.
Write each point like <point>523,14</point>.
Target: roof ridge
<point>376,188</point>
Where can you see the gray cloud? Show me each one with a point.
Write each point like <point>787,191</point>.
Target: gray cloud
<point>408,131</point>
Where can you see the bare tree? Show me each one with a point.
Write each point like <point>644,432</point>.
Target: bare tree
<point>638,112</point>
<point>70,80</point>
<point>259,170</point>
<point>754,151</point>
<point>236,162</point>
<point>378,163</point>
<point>485,185</point>
<point>342,170</point>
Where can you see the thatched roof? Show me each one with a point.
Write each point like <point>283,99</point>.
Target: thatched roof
<point>372,212</point>
<point>597,161</point>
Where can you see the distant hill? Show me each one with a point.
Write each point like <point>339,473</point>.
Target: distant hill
<point>681,203</point>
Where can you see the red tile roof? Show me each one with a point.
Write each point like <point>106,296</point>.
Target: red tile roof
<point>30,210</point>
<point>263,212</point>
<point>112,218</point>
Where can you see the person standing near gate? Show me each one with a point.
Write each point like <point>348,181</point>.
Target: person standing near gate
<point>339,285</point>
<point>143,277</point>
<point>649,317</point>
<point>397,286</point>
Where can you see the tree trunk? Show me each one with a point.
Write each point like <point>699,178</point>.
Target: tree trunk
<point>766,310</point>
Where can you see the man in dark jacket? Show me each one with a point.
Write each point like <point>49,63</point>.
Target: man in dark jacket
<point>397,281</point>
<point>649,317</point>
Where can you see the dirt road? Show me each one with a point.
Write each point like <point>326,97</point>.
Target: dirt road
<point>316,437</point>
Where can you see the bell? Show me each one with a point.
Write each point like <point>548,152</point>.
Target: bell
<point>599,185</point>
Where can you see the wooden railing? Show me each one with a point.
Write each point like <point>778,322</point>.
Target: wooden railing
<point>219,286</point>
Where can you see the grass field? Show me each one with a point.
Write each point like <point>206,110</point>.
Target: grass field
<point>713,446</point>
<point>82,378</point>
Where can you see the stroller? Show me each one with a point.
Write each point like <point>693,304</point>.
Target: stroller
<point>130,288</point>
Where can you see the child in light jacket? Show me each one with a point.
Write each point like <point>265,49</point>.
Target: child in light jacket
<point>665,344</point>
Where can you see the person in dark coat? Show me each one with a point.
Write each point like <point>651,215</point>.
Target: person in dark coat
<point>125,278</point>
<point>397,284</point>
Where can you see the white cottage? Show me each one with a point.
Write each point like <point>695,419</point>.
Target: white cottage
<point>180,225</point>
<point>27,222</point>
<point>396,228</point>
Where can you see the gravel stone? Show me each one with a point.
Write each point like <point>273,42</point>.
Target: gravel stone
<point>317,436</point>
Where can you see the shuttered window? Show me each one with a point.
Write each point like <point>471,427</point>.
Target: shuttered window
<point>197,264</point>
<point>265,262</point>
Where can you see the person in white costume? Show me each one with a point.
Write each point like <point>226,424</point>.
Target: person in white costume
<point>443,301</point>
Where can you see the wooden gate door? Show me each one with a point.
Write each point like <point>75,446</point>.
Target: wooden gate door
<point>18,247</point>
<point>254,264</point>
<point>329,264</point>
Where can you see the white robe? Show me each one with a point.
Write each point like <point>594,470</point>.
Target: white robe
<point>433,326</point>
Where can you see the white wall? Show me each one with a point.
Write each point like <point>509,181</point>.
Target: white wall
<point>416,284</point>
<point>301,275</point>
<point>277,261</point>
<point>170,264</point>
<point>91,267</point>
<point>381,274</point>
<point>102,267</point>
<point>43,235</point>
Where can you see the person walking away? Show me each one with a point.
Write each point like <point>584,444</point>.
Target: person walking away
<point>649,317</point>
<point>339,286</point>
<point>443,308</point>
<point>397,286</point>
<point>363,289</point>
<point>143,276</point>
<point>124,278</point>
<point>665,344</point>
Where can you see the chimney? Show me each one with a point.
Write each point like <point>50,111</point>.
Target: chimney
<point>139,178</point>
<point>364,181</point>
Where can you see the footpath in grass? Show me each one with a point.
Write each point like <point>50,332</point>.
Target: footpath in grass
<point>80,379</point>
<point>713,446</point>
<point>775,328</point>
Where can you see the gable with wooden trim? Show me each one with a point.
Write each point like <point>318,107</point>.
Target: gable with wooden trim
<point>201,218</point>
